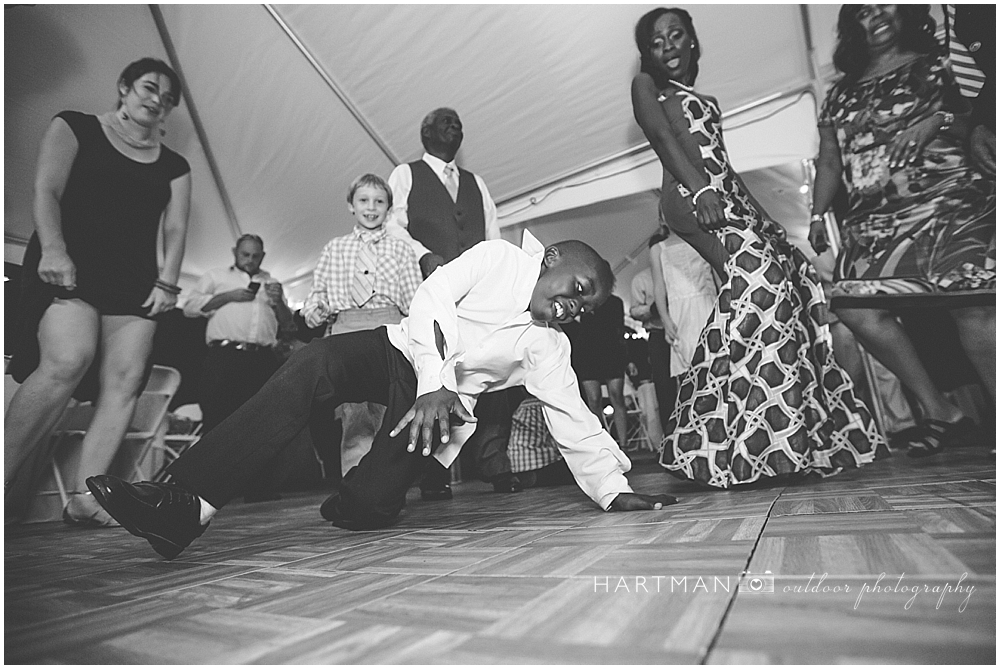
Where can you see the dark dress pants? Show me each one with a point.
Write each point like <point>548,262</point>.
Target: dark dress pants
<point>665,385</point>
<point>488,444</point>
<point>229,378</point>
<point>354,367</point>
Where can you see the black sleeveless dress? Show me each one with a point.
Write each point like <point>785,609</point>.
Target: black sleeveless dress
<point>111,210</point>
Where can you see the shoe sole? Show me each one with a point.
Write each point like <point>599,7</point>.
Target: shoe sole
<point>163,546</point>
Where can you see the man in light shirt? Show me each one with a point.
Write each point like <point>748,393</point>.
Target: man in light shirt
<point>488,320</point>
<point>245,308</point>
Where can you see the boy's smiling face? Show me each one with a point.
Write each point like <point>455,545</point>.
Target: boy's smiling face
<point>369,206</point>
<point>567,286</point>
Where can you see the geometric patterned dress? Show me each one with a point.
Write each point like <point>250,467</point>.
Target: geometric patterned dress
<point>764,396</point>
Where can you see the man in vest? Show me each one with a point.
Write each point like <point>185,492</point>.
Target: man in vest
<point>442,210</point>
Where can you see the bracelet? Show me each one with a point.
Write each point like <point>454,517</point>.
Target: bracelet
<point>168,287</point>
<point>694,198</point>
<point>947,118</point>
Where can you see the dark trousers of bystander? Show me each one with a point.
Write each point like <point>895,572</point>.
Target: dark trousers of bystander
<point>666,385</point>
<point>354,367</point>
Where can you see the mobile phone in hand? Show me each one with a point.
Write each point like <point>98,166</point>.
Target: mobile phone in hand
<point>254,287</point>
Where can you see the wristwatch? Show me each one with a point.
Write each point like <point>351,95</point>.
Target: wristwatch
<point>947,118</point>
<point>817,218</point>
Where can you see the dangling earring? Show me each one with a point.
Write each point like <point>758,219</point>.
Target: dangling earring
<point>122,114</point>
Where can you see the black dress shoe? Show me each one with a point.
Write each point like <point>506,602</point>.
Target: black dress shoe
<point>330,509</point>
<point>164,514</point>
<point>436,494</point>
<point>506,482</point>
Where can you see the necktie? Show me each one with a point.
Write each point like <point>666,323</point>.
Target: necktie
<point>363,286</point>
<point>968,76</point>
<point>451,181</point>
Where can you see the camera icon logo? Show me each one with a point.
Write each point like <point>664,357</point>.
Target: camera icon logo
<point>757,583</point>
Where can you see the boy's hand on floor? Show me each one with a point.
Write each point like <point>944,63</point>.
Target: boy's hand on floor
<point>430,409</point>
<point>630,501</point>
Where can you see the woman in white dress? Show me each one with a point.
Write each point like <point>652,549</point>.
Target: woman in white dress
<point>685,290</point>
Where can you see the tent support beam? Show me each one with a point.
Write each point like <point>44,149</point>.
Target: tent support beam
<point>199,128</point>
<point>332,84</point>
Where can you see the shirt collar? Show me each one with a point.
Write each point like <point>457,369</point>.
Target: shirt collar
<point>234,268</point>
<point>369,236</point>
<point>438,165</point>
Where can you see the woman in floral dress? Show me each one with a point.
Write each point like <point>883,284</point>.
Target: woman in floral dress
<point>763,396</point>
<point>920,228</point>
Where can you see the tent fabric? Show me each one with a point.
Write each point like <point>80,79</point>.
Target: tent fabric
<point>294,101</point>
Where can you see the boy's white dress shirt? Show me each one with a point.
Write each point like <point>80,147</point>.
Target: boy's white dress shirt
<point>480,301</point>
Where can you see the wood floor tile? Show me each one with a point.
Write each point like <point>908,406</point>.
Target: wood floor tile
<point>836,627</point>
<point>538,577</point>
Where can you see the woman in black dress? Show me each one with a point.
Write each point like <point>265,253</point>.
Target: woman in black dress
<point>599,357</point>
<point>104,186</point>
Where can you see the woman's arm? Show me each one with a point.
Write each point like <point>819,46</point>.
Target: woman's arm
<point>660,295</point>
<point>175,222</point>
<point>650,116</point>
<point>55,160</point>
<point>829,170</point>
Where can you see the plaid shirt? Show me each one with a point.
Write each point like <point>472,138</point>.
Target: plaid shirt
<point>531,446</point>
<point>396,280</point>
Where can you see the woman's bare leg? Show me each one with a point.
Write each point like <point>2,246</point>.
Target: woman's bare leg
<point>977,329</point>
<point>126,342</point>
<point>616,393</point>
<point>67,338</point>
<point>883,336</point>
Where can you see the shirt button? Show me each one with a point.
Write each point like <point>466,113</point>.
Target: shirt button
<point>975,46</point>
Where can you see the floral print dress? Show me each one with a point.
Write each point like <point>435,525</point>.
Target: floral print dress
<point>915,235</point>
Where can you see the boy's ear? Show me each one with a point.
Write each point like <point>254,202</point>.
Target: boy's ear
<point>551,256</point>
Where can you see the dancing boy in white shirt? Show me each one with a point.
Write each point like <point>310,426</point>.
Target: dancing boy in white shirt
<point>487,320</point>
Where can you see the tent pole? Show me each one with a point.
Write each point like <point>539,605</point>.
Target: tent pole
<point>334,86</point>
<point>199,129</point>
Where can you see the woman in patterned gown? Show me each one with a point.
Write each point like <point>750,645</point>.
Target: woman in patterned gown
<point>920,230</point>
<point>764,396</point>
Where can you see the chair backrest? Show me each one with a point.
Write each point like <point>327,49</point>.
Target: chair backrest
<point>150,408</point>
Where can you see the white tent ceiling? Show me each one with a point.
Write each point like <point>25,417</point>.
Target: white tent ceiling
<point>286,104</point>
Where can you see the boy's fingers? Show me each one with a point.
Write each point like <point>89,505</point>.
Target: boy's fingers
<point>443,427</point>
<point>403,422</point>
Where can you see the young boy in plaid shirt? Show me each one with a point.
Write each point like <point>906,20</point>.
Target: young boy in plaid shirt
<point>362,280</point>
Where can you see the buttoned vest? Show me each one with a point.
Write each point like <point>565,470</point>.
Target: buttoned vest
<point>445,227</point>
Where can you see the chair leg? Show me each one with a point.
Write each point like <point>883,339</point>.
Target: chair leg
<point>63,495</point>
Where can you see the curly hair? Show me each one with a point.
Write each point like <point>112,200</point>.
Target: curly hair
<point>644,37</point>
<point>852,56</point>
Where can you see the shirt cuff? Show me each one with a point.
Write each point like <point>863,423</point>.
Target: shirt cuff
<point>611,487</point>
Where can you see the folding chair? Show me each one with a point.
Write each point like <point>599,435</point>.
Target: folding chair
<point>637,437</point>
<point>150,411</point>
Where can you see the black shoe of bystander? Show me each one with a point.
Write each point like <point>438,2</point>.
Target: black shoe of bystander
<point>164,514</point>
<point>506,482</point>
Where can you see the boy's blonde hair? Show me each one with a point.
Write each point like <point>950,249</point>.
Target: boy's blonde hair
<point>373,180</point>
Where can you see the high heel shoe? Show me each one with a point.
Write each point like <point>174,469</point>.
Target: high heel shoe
<point>97,519</point>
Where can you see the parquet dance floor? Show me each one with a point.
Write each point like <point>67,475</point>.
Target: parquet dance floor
<point>892,563</point>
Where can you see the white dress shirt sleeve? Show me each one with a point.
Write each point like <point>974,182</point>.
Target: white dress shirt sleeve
<point>398,222</point>
<point>489,210</point>
<point>199,297</point>
<point>593,456</point>
<point>436,302</point>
